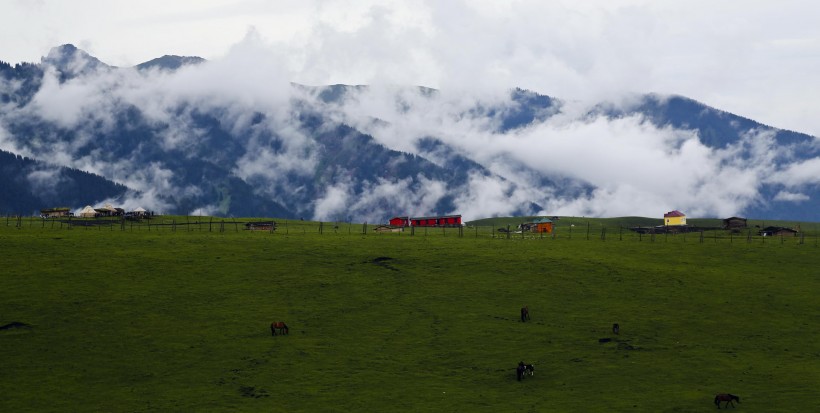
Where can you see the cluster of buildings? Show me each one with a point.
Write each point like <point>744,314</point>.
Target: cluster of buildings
<point>673,221</point>
<point>676,219</point>
<point>106,210</point>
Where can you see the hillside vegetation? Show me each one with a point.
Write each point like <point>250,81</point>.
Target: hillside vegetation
<point>176,318</point>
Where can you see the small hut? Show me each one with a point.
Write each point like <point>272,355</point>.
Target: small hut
<point>261,226</point>
<point>55,212</point>
<point>673,218</point>
<point>387,228</point>
<point>542,225</point>
<point>734,223</point>
<point>778,232</point>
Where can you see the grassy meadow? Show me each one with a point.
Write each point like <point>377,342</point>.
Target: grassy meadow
<point>176,318</point>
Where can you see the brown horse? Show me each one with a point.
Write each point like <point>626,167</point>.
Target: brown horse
<point>278,325</point>
<point>725,397</point>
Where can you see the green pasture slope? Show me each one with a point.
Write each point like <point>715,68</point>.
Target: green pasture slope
<point>175,319</point>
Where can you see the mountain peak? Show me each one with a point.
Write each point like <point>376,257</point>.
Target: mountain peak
<point>71,61</point>
<point>170,62</point>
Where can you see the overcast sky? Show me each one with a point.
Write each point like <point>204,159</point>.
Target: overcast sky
<point>758,59</point>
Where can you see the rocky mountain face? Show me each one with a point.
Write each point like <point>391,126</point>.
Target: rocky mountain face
<point>184,135</point>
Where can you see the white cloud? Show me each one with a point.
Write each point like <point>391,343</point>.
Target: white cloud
<point>798,174</point>
<point>719,53</point>
<point>791,197</point>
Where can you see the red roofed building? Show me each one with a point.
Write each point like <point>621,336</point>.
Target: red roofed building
<point>399,222</point>
<point>672,218</point>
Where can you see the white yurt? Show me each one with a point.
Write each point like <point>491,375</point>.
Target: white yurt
<point>87,212</point>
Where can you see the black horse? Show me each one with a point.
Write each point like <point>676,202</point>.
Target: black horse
<point>725,397</point>
<point>524,370</point>
<point>525,313</point>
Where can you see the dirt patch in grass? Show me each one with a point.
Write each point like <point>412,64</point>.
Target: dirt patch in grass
<point>15,324</point>
<point>385,262</point>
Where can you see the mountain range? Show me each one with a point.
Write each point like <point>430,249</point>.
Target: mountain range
<point>235,137</point>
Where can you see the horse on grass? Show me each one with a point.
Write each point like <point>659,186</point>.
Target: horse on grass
<point>725,397</point>
<point>525,313</point>
<point>524,370</point>
<point>280,326</point>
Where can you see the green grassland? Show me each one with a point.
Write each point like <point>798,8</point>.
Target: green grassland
<point>131,318</point>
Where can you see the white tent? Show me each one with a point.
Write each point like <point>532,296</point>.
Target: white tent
<point>88,212</point>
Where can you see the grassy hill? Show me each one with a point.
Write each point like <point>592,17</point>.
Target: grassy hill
<point>175,318</point>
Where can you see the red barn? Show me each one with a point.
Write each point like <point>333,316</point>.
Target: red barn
<point>439,221</point>
<point>400,222</point>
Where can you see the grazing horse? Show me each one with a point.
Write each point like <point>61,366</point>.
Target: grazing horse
<point>725,397</point>
<point>525,313</point>
<point>524,370</point>
<point>278,325</point>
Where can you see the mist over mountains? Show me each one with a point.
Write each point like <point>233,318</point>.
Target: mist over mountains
<point>234,137</point>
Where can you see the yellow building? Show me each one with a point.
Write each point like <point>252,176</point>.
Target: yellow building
<point>673,218</point>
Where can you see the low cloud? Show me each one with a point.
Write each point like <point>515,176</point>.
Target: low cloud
<point>614,166</point>
<point>791,197</point>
